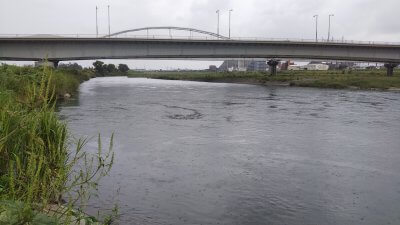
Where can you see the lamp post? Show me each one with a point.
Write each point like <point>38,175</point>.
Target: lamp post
<point>316,27</point>
<point>109,25</point>
<point>217,21</point>
<point>329,28</point>
<point>97,26</point>
<point>230,12</point>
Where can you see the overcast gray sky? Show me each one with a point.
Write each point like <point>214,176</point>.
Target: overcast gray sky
<point>368,20</point>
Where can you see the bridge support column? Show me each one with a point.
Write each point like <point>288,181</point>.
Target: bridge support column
<point>272,66</point>
<point>390,68</point>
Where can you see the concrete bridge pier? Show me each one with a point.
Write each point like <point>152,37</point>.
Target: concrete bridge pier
<point>272,66</point>
<point>390,68</point>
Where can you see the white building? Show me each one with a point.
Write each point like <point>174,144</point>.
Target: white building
<point>295,67</point>
<point>316,67</point>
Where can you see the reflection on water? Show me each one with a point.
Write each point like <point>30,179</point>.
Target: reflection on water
<point>203,153</point>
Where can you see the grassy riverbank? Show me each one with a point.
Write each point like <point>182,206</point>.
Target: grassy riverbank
<point>40,182</point>
<point>64,81</point>
<point>355,79</point>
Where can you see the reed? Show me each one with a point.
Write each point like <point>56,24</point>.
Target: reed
<point>38,169</point>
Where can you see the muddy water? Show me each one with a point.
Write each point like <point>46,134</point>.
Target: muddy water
<point>203,153</point>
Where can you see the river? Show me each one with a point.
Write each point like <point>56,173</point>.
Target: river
<point>216,153</point>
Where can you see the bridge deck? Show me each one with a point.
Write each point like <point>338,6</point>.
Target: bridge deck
<point>61,48</point>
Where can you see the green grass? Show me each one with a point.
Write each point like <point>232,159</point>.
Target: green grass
<point>37,168</point>
<point>16,79</point>
<point>361,79</point>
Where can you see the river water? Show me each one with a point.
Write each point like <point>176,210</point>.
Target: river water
<point>213,153</point>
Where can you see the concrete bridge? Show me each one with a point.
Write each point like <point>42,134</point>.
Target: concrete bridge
<point>57,49</point>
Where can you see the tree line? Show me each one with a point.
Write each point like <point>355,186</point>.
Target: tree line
<point>101,69</point>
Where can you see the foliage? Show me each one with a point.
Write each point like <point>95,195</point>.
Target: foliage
<point>123,68</point>
<point>98,67</point>
<point>70,66</point>
<point>64,80</point>
<point>38,170</point>
<point>111,68</point>
<point>102,69</point>
<point>12,212</point>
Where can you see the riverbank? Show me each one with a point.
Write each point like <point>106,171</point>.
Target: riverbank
<point>38,168</point>
<point>348,79</point>
<point>65,82</point>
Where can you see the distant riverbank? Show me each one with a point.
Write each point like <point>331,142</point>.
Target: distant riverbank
<point>346,79</point>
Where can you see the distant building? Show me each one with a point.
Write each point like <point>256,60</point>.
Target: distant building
<point>233,65</point>
<point>213,68</point>
<point>257,66</point>
<point>316,67</point>
<point>243,65</point>
<point>295,67</point>
<point>311,66</point>
<point>340,65</point>
<point>285,65</point>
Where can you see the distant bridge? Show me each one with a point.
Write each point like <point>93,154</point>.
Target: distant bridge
<point>58,48</point>
<point>211,34</point>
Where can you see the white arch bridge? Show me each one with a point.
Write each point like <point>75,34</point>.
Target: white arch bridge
<point>170,29</point>
<point>57,48</point>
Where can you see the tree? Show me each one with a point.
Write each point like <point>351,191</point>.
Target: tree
<point>111,68</point>
<point>70,66</point>
<point>123,68</point>
<point>99,67</point>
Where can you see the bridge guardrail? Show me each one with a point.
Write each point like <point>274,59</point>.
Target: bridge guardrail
<point>194,38</point>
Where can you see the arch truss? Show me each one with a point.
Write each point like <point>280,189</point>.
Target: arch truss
<point>169,28</point>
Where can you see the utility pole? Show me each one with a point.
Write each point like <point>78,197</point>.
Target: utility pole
<point>329,28</point>
<point>230,12</point>
<point>97,26</point>
<point>109,25</point>
<point>316,28</point>
<point>218,22</point>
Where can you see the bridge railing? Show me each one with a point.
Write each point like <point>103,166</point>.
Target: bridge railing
<point>196,37</point>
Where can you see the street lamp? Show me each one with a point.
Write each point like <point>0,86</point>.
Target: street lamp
<point>97,26</point>
<point>230,12</point>
<point>316,27</point>
<point>109,26</point>
<point>329,28</point>
<point>218,21</point>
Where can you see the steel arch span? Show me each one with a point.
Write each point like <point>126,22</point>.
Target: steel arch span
<point>169,28</point>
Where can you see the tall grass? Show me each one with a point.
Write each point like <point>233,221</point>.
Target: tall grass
<point>63,80</point>
<point>37,168</point>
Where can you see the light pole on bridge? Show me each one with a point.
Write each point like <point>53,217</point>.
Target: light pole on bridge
<point>329,28</point>
<point>230,12</point>
<point>217,21</point>
<point>109,25</point>
<point>97,26</point>
<point>316,27</point>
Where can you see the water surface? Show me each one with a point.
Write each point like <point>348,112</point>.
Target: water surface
<point>204,153</point>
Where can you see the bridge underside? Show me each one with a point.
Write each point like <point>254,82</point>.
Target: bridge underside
<point>64,49</point>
